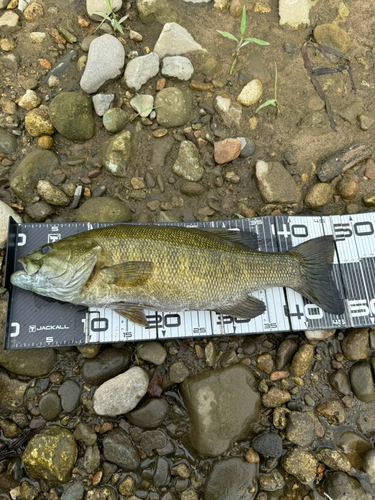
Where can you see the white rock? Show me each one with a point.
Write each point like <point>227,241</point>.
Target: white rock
<point>9,19</point>
<point>105,61</point>
<point>174,40</point>
<point>143,104</point>
<point>53,82</point>
<point>139,70</point>
<point>122,393</point>
<point>5,213</point>
<point>251,93</point>
<point>102,102</point>
<point>134,35</point>
<point>314,336</point>
<point>29,101</point>
<point>93,6</point>
<point>294,12</point>
<point>177,67</point>
<point>37,36</point>
<point>22,4</point>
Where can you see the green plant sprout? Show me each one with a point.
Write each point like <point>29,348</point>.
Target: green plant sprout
<point>242,41</point>
<point>116,24</point>
<point>271,102</point>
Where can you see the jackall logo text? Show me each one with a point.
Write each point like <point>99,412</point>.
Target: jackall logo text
<point>34,328</point>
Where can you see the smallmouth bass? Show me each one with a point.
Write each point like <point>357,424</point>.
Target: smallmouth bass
<point>130,268</point>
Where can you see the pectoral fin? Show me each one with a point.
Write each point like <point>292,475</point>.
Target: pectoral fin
<point>136,316</point>
<point>248,307</point>
<point>134,273</point>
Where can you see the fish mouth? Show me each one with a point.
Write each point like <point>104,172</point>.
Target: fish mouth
<point>31,267</point>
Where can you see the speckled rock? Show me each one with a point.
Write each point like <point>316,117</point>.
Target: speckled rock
<point>72,116</point>
<point>332,410</point>
<point>178,372</point>
<point>139,70</point>
<point>294,13</point>
<point>302,360</point>
<point>340,486</point>
<point>51,455</point>
<point>268,444</point>
<point>177,67</point>
<point>335,460</point>
<point>233,409</point>
<point>231,478</point>
<point>30,100</point>
<point>8,143</point>
<point>319,195</point>
<point>251,93</point>
<point>333,36</point>
<point>276,185</point>
<point>300,429</point>
<point>38,123</point>
<point>173,107</point>
<point>301,463</point>
<point>103,210</point>
<point>187,163</point>
<point>51,194</point>
<point>114,120</point>
<point>275,397</point>
<point>35,166</point>
<point>355,344</point>
<point>118,153</point>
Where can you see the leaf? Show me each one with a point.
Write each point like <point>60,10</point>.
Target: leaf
<point>256,40</point>
<point>270,102</point>
<point>243,22</point>
<point>239,216</point>
<point>104,16</point>
<point>118,27</point>
<point>227,35</point>
<point>233,65</point>
<point>123,19</point>
<point>108,2</point>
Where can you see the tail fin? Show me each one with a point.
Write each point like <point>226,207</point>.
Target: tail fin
<point>316,258</point>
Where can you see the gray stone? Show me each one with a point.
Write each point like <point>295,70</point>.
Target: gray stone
<point>8,143</point>
<point>149,414</point>
<point>178,372</point>
<point>72,116</point>
<point>319,195</point>
<point>285,353</point>
<point>160,11</point>
<point>268,444</point>
<point>122,393</point>
<point>86,42</point>
<point>162,475</point>
<point>362,381</point>
<point>9,21</point>
<point>160,151</point>
<point>369,464</point>
<point>74,491</point>
<point>51,194</point>
<point>51,456</point>
<point>276,185</point>
<point>232,478</point>
<point>39,211</point>
<point>105,61</point>
<point>173,107</point>
<point>247,147</point>
<point>93,6</point>
<point>5,213</point>
<point>300,429</point>
<point>152,351</point>
<point>91,458</point>
<point>118,449</point>
<point>230,112</point>
<point>340,486</point>
<point>84,433</point>
<point>102,102</point>
<point>355,344</point>
<point>50,406</point>
<point>335,460</point>
<point>70,393</point>
<point>177,67</point>
<point>233,408</point>
<point>174,40</point>
<point>339,381</point>
<point>192,188</point>
<point>106,365</point>
<point>152,440</point>
<point>118,153</point>
<point>139,70</point>
<point>187,163</point>
<point>114,120</point>
<point>143,104</point>
<point>301,463</point>
<point>294,12</point>
<point>103,210</point>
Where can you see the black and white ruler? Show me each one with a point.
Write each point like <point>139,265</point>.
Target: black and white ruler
<point>35,321</point>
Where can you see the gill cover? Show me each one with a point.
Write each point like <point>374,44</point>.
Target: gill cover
<point>59,270</point>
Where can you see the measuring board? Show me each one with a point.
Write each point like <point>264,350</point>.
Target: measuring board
<point>36,321</point>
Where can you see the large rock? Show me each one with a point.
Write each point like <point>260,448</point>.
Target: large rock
<point>51,455</point>
<point>5,213</point>
<point>34,167</point>
<point>301,463</point>
<point>103,210</point>
<point>139,70</point>
<point>8,143</point>
<point>174,40</point>
<point>117,153</point>
<point>340,486</point>
<point>173,107</point>
<point>72,116</point>
<point>276,185</point>
<point>105,61</point>
<point>160,11</point>
<point>187,163</point>
<point>122,393</point>
<point>232,479</point>
<point>118,449</point>
<point>106,365</point>
<point>223,406</point>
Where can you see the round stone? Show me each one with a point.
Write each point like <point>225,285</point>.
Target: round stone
<point>103,210</point>
<point>50,406</point>
<point>8,143</point>
<point>38,123</point>
<point>319,196</point>
<point>108,364</point>
<point>300,429</point>
<point>347,189</point>
<point>114,120</point>
<point>173,107</point>
<point>333,36</point>
<point>45,142</point>
<point>72,116</point>
<point>227,150</point>
<point>302,360</point>
<point>152,351</point>
<point>268,444</point>
<point>51,194</point>
<point>301,463</point>
<point>251,93</point>
<point>149,414</point>
<point>362,381</point>
<point>33,12</point>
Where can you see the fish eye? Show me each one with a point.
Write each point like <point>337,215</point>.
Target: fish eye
<point>45,249</point>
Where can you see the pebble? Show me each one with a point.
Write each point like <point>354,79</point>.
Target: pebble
<point>319,195</point>
<point>38,123</point>
<point>369,200</point>
<point>332,410</point>
<point>268,444</point>
<point>347,189</point>
<point>143,104</point>
<point>9,21</point>
<point>275,397</point>
<point>102,103</point>
<point>314,336</point>
<point>300,429</point>
<point>139,70</point>
<point>153,352</point>
<point>332,36</point>
<point>45,142</point>
<point>85,433</point>
<point>118,153</point>
<point>362,382</point>
<point>247,147</point>
<point>51,194</point>
<point>177,67</point>
<point>355,344</point>
<point>72,115</point>
<point>192,188</point>
<point>7,45</point>
<point>335,460</point>
<point>300,462</point>
<point>118,449</point>
<point>231,478</point>
<point>365,122</point>
<point>33,12</point>
<point>70,393</point>
<point>227,150</point>
<point>370,169</point>
<point>29,101</point>
<point>294,13</point>
<point>114,120</point>
<point>187,163</point>
<point>37,36</point>
<point>339,381</point>
<point>149,414</point>
<point>230,112</point>
<point>252,456</point>
<point>178,372</point>
<point>302,360</point>
<point>276,185</point>
<point>122,393</point>
<point>106,59</point>
<point>173,107</point>
<point>106,365</point>
<point>174,40</point>
<point>251,93</point>
<point>265,363</point>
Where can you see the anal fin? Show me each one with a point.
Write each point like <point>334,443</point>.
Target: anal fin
<point>248,307</point>
<point>136,316</point>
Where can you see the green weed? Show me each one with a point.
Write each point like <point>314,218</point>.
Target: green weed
<point>112,18</point>
<point>271,102</point>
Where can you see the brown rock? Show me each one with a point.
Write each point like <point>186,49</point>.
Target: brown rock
<point>227,150</point>
<point>160,84</point>
<point>332,410</point>
<point>365,122</point>
<point>33,12</point>
<point>355,344</point>
<point>192,188</point>
<point>265,363</point>
<point>45,142</point>
<point>302,360</point>
<point>161,132</point>
<point>347,189</point>
<point>278,375</point>
<point>252,456</point>
<point>275,397</point>
<point>370,169</point>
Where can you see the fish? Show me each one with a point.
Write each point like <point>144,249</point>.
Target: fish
<point>130,268</point>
